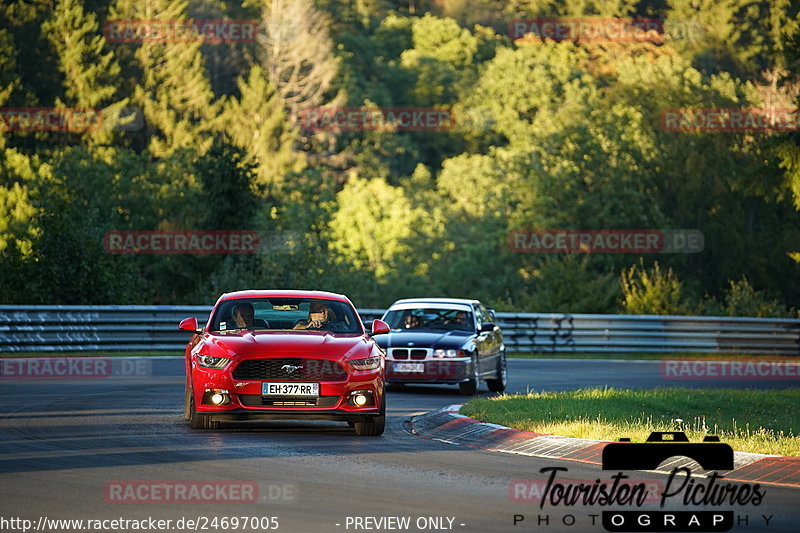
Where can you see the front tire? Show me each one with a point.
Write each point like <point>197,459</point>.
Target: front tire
<point>187,408</point>
<point>470,388</point>
<point>501,382</point>
<point>198,421</point>
<point>375,426</point>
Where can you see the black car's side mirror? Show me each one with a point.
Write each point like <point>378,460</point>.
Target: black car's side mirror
<point>486,327</point>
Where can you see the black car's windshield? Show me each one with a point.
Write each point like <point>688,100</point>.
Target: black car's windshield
<point>310,314</point>
<point>424,318</point>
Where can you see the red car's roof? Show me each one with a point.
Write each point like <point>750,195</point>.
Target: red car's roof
<point>284,293</point>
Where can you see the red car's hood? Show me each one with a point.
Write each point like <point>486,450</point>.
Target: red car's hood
<point>284,342</point>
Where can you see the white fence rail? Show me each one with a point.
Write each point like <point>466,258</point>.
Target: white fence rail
<point>154,328</point>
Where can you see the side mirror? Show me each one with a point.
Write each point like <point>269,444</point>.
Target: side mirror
<point>189,324</point>
<point>379,326</point>
<point>486,327</point>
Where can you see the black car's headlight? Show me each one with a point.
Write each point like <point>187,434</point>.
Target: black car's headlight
<point>449,353</point>
<point>370,363</point>
<point>208,361</point>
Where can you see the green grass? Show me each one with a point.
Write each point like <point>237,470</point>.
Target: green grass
<point>761,421</point>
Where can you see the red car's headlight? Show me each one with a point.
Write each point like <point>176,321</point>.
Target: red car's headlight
<point>370,363</point>
<point>208,361</point>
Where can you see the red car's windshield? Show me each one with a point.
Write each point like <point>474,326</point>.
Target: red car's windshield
<point>310,314</point>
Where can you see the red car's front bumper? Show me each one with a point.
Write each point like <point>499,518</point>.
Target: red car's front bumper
<point>244,399</point>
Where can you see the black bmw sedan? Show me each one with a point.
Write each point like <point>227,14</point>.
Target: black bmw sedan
<point>444,340</point>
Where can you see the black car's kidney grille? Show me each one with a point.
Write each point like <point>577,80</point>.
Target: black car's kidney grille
<point>415,353</point>
<point>419,354</point>
<point>256,400</point>
<point>290,370</point>
<point>400,353</point>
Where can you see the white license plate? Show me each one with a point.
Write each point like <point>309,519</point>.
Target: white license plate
<point>409,367</point>
<point>290,389</point>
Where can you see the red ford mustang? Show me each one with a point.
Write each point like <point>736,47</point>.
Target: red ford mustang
<point>285,355</point>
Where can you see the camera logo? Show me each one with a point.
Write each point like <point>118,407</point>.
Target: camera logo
<point>711,454</point>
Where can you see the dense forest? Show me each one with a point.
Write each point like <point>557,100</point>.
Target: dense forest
<point>543,133</point>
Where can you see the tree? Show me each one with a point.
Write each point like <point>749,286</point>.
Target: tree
<point>171,85</point>
<point>227,181</point>
<point>297,53</point>
<point>89,71</point>
<point>442,59</point>
<point>372,224</point>
<point>651,291</point>
<point>256,121</point>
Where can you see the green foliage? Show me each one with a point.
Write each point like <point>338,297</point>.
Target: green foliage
<point>257,122</point>
<point>566,284</point>
<point>652,291</point>
<point>227,181</point>
<point>172,87</point>
<point>741,299</point>
<point>90,71</point>
<point>372,226</point>
<point>548,136</point>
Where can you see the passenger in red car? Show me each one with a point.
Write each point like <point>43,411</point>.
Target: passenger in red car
<point>319,315</point>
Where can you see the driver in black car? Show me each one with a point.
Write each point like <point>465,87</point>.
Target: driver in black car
<point>460,320</point>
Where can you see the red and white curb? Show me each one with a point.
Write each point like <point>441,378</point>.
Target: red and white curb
<point>447,425</point>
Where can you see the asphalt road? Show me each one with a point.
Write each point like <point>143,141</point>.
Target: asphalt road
<point>72,448</point>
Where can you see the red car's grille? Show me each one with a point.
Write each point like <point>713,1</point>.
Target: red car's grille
<point>290,370</point>
<point>256,400</point>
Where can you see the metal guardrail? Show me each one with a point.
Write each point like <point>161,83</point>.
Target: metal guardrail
<point>154,328</point>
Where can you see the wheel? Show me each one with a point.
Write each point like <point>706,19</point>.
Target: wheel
<point>187,408</point>
<point>470,388</point>
<point>499,384</point>
<point>375,425</point>
<point>198,421</point>
<point>373,428</point>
